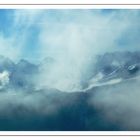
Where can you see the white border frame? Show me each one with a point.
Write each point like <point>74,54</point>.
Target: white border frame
<point>5,5</point>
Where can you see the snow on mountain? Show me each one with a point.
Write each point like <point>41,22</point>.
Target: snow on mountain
<point>113,68</point>
<point>4,79</point>
<point>98,84</point>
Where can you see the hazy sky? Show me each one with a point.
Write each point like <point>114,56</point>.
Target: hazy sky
<point>36,34</point>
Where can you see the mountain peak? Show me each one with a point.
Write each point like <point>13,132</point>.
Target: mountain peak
<point>23,62</point>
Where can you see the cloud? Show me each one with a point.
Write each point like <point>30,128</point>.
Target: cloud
<point>74,38</point>
<point>119,103</point>
<point>4,79</point>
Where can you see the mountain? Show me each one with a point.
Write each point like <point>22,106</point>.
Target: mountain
<point>115,67</point>
<point>6,64</point>
<point>46,64</point>
<point>23,74</point>
<point>109,68</point>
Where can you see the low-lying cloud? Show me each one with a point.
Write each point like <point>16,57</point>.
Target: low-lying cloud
<point>119,104</point>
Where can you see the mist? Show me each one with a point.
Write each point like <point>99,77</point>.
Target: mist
<point>78,37</point>
<point>119,104</point>
<point>55,84</point>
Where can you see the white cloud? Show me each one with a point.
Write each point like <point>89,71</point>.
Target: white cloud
<point>76,38</point>
<point>4,79</point>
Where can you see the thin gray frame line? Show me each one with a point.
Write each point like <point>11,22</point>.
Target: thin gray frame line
<point>71,135</point>
<point>67,4</point>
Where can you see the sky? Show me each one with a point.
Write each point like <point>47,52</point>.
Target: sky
<point>70,37</point>
<point>67,33</point>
